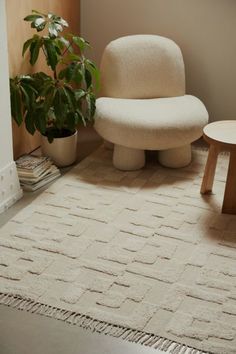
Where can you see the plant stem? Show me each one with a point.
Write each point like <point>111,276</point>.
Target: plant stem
<point>45,54</point>
<point>55,74</point>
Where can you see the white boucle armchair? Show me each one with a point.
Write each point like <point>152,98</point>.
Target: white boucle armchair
<point>144,105</point>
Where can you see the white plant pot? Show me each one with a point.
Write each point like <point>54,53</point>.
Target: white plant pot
<point>63,151</point>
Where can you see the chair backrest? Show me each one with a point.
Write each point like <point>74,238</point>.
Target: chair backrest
<point>142,66</point>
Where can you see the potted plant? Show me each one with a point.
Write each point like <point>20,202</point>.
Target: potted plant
<point>55,104</point>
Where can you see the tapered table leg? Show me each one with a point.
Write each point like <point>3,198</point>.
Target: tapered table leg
<point>229,203</point>
<point>210,169</point>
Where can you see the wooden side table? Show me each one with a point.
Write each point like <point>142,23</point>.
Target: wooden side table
<point>221,136</point>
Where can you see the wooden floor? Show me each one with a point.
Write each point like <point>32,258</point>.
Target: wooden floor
<point>25,333</point>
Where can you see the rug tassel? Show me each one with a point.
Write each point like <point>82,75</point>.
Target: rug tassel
<point>87,322</point>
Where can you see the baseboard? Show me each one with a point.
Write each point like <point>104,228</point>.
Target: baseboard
<point>10,190</point>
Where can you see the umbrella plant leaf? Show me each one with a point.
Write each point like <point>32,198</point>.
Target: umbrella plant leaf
<point>52,57</point>
<point>62,22</point>
<point>40,121</point>
<point>33,17</point>
<point>34,50</point>
<point>94,72</point>
<point>80,42</point>
<point>26,45</point>
<point>25,96</point>
<point>88,78</point>
<point>16,106</point>
<point>29,123</point>
<point>80,93</point>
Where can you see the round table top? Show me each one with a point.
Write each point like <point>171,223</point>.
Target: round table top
<point>222,133</point>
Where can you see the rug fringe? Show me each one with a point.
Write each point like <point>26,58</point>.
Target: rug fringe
<point>87,322</point>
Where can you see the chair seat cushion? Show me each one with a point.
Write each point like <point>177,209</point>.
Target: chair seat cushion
<point>151,124</point>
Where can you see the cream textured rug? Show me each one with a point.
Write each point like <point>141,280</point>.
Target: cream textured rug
<point>138,255</point>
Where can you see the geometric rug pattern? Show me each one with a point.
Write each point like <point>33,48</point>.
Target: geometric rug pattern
<point>142,250</point>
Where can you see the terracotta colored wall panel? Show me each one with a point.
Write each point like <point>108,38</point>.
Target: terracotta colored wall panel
<point>18,32</point>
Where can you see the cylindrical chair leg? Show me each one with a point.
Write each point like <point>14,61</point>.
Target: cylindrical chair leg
<point>127,159</point>
<point>177,157</point>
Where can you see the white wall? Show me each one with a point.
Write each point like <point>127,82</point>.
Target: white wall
<point>5,121</point>
<point>204,29</point>
<point>9,184</point>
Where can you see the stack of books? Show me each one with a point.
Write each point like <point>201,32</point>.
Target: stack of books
<point>36,171</point>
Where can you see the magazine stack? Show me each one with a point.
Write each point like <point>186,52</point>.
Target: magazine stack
<point>36,171</point>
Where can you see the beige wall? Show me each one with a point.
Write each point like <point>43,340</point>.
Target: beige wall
<point>18,32</point>
<point>204,29</point>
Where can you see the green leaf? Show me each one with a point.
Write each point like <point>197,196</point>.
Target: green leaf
<point>62,74</point>
<point>61,21</point>
<point>31,18</point>
<point>78,76</point>
<point>51,114</point>
<point>29,123</point>
<point>58,50</point>
<point>39,21</point>
<point>49,97</point>
<point>91,102</point>
<point>41,75</point>
<point>72,57</point>
<point>88,78</point>
<point>70,72</point>
<point>30,88</point>
<point>71,121</point>
<point>70,97</point>
<point>30,105</point>
<point>90,63</point>
<point>93,105</point>
<point>25,96</point>
<point>39,24</point>
<point>47,89</point>
<point>63,43</point>
<point>52,57</point>
<point>40,78</point>
<point>80,42</point>
<point>26,45</point>
<point>94,72</point>
<point>16,106</point>
<point>59,109</point>
<point>54,29</point>
<point>77,118</point>
<point>79,94</point>
<point>80,117</point>
<point>52,32</point>
<point>26,78</point>
<point>34,50</point>
<point>66,43</point>
<point>41,81</point>
<point>40,121</point>
<point>59,44</point>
